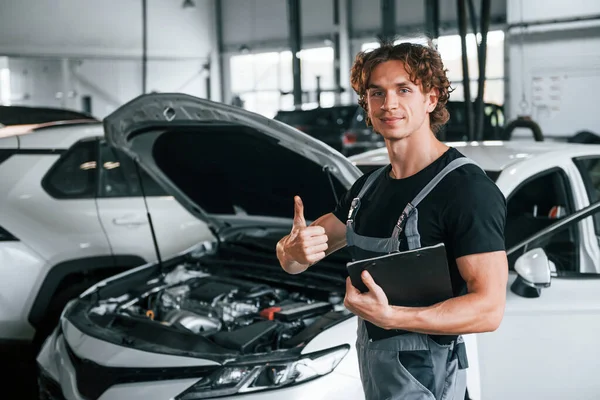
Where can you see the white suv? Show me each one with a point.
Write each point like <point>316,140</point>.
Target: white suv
<point>73,212</point>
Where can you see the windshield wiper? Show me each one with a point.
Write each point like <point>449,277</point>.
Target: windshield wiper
<point>331,262</point>
<point>277,273</point>
<point>254,242</point>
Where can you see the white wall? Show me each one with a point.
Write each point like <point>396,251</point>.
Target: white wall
<point>90,47</point>
<point>556,66</point>
<point>253,21</point>
<point>532,10</point>
<point>122,80</point>
<point>35,81</point>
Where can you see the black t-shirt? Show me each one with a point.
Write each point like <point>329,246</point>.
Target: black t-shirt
<point>466,210</point>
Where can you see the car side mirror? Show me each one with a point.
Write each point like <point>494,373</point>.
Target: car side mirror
<point>534,271</point>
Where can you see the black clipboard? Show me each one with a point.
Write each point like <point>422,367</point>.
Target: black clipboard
<point>413,278</point>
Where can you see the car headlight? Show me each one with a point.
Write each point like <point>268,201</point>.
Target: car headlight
<point>232,379</point>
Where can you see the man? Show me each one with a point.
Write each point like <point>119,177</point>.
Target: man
<point>403,89</point>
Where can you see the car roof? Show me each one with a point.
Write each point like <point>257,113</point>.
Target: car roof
<point>493,155</point>
<point>23,129</point>
<point>52,135</point>
<point>22,115</point>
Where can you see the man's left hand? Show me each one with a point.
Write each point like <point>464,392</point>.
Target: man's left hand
<point>372,306</point>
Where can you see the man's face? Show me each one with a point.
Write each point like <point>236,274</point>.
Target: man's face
<point>397,107</point>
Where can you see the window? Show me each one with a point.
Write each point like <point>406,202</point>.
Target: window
<point>259,79</point>
<point>589,167</point>
<point>119,176</point>
<point>569,267</point>
<point>450,49</point>
<point>265,103</point>
<point>535,205</point>
<point>73,176</point>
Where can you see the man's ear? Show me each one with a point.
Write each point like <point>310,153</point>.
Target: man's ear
<point>433,96</point>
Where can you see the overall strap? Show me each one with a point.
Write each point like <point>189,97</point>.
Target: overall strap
<point>410,215</point>
<point>355,205</point>
<point>459,162</point>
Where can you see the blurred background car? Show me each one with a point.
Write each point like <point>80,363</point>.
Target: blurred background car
<point>360,138</point>
<point>324,123</point>
<point>73,211</point>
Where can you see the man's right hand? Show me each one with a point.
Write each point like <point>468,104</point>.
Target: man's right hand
<point>306,244</point>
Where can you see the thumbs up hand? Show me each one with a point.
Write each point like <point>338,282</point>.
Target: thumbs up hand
<point>299,220</point>
<point>306,244</point>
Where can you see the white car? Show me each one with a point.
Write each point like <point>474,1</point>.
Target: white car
<point>224,320</point>
<point>72,212</point>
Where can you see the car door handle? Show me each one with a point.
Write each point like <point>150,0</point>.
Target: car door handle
<point>129,221</point>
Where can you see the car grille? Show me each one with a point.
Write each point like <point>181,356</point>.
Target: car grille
<point>48,388</point>
<point>94,379</point>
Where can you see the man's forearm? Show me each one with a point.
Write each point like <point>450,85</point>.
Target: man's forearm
<point>288,264</point>
<point>471,313</point>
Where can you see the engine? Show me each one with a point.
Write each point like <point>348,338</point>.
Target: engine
<point>235,314</point>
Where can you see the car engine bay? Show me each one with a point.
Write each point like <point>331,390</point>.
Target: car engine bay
<point>238,315</point>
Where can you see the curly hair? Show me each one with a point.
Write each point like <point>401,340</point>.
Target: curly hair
<point>423,65</point>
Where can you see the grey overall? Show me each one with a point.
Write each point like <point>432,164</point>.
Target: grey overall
<point>409,366</point>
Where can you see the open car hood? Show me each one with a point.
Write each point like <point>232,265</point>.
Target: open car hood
<point>227,165</point>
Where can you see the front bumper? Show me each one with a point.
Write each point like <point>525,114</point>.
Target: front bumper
<point>103,373</point>
<point>60,374</point>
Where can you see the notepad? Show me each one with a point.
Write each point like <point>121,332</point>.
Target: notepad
<point>413,278</point>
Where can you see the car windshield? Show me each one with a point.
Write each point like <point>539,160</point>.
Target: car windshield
<point>572,243</point>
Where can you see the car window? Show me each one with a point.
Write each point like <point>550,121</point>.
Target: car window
<point>589,167</point>
<point>73,176</point>
<point>568,267</point>
<point>535,205</point>
<point>119,176</point>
